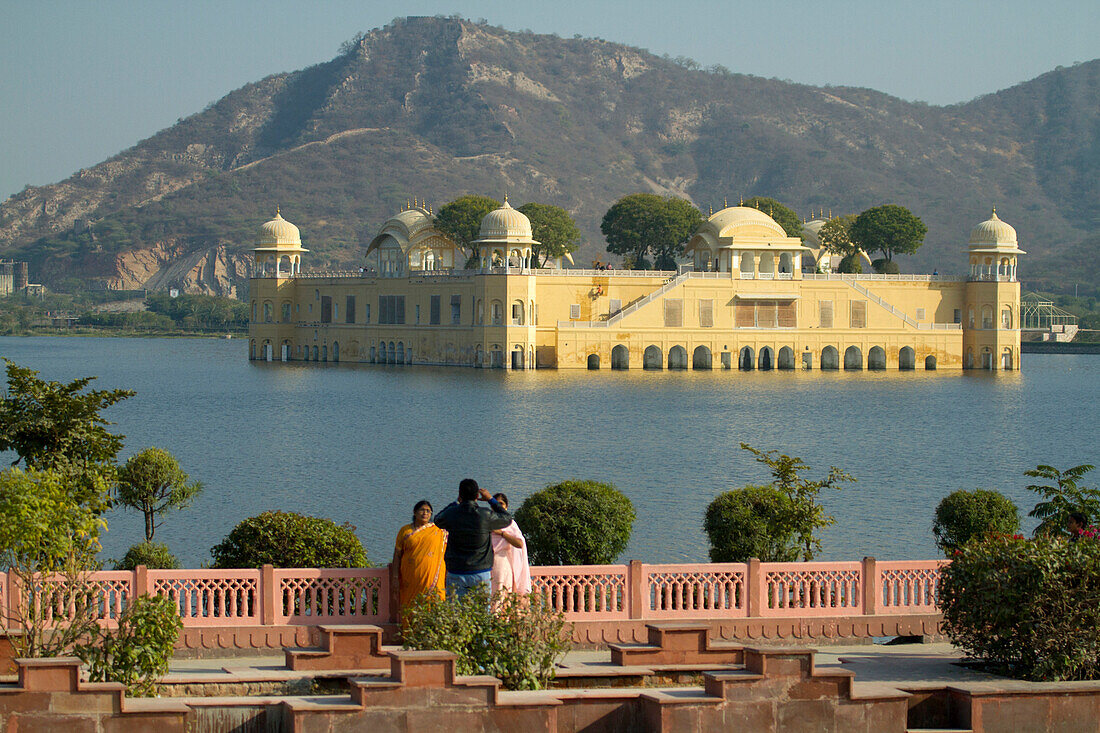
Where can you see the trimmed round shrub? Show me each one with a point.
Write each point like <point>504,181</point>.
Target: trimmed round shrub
<point>963,515</point>
<point>753,521</point>
<point>153,555</point>
<point>850,265</point>
<point>884,266</point>
<point>290,540</point>
<point>576,523</point>
<point>1028,608</point>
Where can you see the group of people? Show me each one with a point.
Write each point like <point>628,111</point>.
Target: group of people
<point>466,545</point>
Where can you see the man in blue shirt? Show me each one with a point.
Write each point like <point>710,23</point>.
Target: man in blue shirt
<point>469,555</point>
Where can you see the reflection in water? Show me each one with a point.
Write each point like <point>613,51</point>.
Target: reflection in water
<point>362,443</point>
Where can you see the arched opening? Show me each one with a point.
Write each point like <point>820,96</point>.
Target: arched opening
<point>305,354</point>
<point>700,358</point>
<point>807,360</point>
<point>987,316</point>
<point>930,363</point>
<point>391,353</point>
<point>746,360</point>
<point>876,358</point>
<point>284,352</point>
<point>620,357</point>
<point>593,361</point>
<point>1006,359</point>
<point>652,358</point>
<point>677,357</point>
<point>253,311</point>
<point>479,356</point>
<point>324,352</point>
<point>283,268</point>
<point>517,356</point>
<point>336,351</point>
<point>853,358</point>
<point>748,262</point>
<point>830,358</point>
<point>497,313</point>
<point>400,355</point>
<point>480,311</point>
<point>907,358</point>
<point>268,315</point>
<point>252,349</point>
<point>767,359</point>
<point>1006,318</point>
<point>496,357</point>
<point>517,313</point>
<point>767,265</point>
<point>786,358</point>
<point>786,263</point>
<point>373,355</point>
<point>267,351</point>
<point>987,358</point>
<point>968,362</point>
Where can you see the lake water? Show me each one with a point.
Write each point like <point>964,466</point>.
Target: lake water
<point>362,443</point>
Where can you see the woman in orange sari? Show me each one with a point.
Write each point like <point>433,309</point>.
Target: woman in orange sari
<point>418,557</point>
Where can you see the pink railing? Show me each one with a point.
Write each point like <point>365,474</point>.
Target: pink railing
<point>633,591</point>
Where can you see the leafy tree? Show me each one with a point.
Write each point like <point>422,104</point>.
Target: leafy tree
<point>885,267</point>
<point>138,651</point>
<point>43,529</point>
<point>152,482</point>
<point>553,228</point>
<point>835,235</point>
<point>576,523</point>
<point>55,426</point>
<point>964,515</point>
<point>290,540</point>
<point>1062,499</point>
<point>644,224</point>
<point>753,521</point>
<point>786,476</point>
<point>890,229</point>
<point>784,216</point>
<point>461,219</point>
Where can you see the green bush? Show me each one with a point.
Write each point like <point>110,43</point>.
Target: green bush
<point>885,267</point>
<point>850,265</point>
<point>520,641</point>
<point>153,555</point>
<point>1030,608</point>
<point>290,540</point>
<point>137,652</point>
<point>963,515</point>
<point>754,521</point>
<point>576,523</point>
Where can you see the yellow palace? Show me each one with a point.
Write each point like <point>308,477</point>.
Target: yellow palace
<point>753,298</point>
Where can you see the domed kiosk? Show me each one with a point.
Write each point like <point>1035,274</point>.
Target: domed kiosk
<point>278,253</point>
<point>505,239</point>
<point>747,243</point>
<point>993,249</point>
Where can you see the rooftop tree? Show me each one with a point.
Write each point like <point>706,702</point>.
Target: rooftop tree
<point>645,225</point>
<point>554,230</point>
<point>890,229</point>
<point>461,220</point>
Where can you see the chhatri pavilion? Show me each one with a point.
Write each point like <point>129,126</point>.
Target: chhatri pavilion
<point>753,298</point>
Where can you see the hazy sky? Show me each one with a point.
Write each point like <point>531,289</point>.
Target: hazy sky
<point>85,79</point>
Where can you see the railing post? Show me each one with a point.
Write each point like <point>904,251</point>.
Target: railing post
<point>754,605</point>
<point>267,595</point>
<point>635,580</point>
<point>871,590</point>
<point>13,600</point>
<point>141,581</point>
<point>391,592</point>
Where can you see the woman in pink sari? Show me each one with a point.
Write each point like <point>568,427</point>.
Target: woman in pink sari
<point>418,557</point>
<point>511,571</point>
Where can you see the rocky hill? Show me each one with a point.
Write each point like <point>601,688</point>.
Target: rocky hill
<point>433,108</point>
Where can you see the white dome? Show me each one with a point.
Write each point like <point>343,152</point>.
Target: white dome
<point>746,221</point>
<point>280,231</point>
<point>993,233</point>
<point>505,224</point>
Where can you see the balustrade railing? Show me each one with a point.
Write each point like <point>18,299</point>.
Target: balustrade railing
<point>632,591</point>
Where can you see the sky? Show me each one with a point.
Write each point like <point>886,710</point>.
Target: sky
<point>81,80</point>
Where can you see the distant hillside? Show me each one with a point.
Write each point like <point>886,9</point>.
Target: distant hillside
<point>434,108</point>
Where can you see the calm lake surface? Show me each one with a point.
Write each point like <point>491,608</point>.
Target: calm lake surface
<point>362,443</point>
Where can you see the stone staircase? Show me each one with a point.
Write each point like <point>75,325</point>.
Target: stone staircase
<point>342,647</point>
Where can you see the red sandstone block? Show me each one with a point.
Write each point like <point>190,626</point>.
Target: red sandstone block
<point>107,702</point>
<point>18,701</point>
<point>880,716</point>
<point>58,673</point>
<point>370,721</point>
<point>7,655</point>
<point>146,723</point>
<point>815,688</point>
<point>527,720</point>
<point>1010,713</point>
<point>805,716</point>
<point>758,717</point>
<point>47,723</point>
<point>448,720</point>
<point>598,715</point>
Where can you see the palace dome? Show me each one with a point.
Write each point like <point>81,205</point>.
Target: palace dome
<point>744,221</point>
<point>505,224</point>
<point>413,219</point>
<point>993,233</point>
<point>279,231</point>
<point>811,233</point>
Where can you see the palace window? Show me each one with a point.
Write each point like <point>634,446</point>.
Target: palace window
<point>286,313</point>
<point>326,309</point>
<point>433,310</point>
<point>456,310</point>
<point>391,309</point>
<point>575,311</point>
<point>921,314</point>
<point>349,309</point>
<point>825,314</point>
<point>674,312</point>
<point>706,313</point>
<point>858,314</point>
